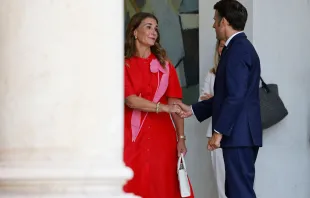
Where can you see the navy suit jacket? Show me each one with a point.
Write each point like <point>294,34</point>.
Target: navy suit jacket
<point>235,107</point>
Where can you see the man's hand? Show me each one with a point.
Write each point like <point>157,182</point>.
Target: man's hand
<point>215,141</point>
<point>186,110</point>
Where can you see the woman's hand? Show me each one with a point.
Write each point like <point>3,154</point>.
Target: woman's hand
<point>172,108</point>
<point>206,96</point>
<point>181,147</point>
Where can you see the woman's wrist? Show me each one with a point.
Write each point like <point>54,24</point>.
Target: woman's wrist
<point>163,108</point>
<point>157,109</point>
<point>182,137</point>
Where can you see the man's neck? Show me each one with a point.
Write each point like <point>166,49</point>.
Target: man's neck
<point>230,36</point>
<point>231,33</point>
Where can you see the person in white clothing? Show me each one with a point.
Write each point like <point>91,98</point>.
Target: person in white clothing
<point>217,154</point>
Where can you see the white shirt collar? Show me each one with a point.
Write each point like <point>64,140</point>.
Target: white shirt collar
<point>229,39</point>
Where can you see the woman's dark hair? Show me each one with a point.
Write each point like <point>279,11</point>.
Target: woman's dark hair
<point>130,44</point>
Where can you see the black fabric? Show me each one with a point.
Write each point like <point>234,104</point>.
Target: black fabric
<point>272,107</point>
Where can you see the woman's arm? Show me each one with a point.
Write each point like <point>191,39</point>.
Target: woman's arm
<point>139,103</point>
<point>205,91</point>
<point>179,125</point>
<point>205,87</point>
<point>178,121</point>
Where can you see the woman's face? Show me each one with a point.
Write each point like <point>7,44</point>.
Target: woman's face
<point>146,33</point>
<point>221,46</point>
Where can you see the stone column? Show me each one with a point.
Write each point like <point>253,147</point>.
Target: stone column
<point>61,99</point>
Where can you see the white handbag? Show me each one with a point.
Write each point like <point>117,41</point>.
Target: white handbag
<point>183,179</point>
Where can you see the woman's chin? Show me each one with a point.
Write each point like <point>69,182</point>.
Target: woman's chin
<point>151,43</point>
<point>148,44</point>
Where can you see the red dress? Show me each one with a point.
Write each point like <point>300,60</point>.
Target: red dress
<point>152,152</point>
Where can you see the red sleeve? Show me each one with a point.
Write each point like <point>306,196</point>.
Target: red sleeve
<point>174,88</point>
<point>129,90</point>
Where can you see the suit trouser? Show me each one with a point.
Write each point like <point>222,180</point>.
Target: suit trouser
<point>219,171</point>
<point>240,171</point>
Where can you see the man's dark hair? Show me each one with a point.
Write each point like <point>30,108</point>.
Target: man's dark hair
<point>234,12</point>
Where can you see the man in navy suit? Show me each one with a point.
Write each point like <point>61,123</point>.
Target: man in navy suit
<point>235,107</point>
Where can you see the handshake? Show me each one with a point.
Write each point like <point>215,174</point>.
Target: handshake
<point>181,109</point>
<point>185,111</point>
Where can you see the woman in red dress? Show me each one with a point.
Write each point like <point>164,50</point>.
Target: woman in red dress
<point>151,142</point>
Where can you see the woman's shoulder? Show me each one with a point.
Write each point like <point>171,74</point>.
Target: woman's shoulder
<point>130,65</point>
<point>210,74</point>
<point>210,77</point>
<point>129,61</point>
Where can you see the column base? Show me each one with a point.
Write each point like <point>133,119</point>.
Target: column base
<point>63,181</point>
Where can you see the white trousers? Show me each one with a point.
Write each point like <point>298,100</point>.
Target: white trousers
<point>219,171</point>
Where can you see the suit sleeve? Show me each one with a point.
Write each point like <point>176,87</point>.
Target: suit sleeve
<point>203,109</point>
<point>237,74</point>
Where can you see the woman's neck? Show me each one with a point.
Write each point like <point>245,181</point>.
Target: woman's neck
<point>143,52</point>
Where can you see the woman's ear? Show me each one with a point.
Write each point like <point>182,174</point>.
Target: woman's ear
<point>135,34</point>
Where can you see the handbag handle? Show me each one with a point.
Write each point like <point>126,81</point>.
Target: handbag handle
<point>264,85</point>
<point>181,161</point>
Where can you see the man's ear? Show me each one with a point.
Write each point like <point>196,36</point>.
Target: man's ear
<point>224,21</point>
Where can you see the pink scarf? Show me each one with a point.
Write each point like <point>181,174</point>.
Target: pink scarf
<point>162,86</point>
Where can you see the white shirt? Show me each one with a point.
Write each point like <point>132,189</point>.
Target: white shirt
<point>232,36</point>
